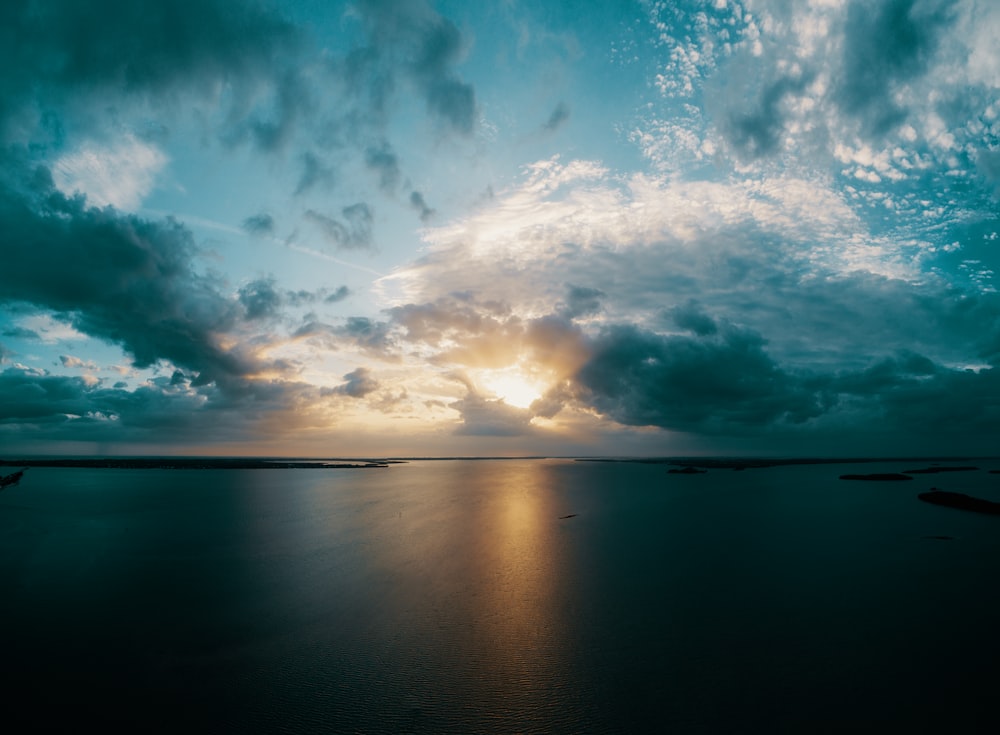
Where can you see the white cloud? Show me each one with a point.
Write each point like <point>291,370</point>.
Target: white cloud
<point>565,223</point>
<point>51,330</point>
<point>120,174</point>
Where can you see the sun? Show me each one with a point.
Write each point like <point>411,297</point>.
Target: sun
<point>511,385</point>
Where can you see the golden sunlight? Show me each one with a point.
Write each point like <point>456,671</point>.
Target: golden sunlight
<point>512,386</point>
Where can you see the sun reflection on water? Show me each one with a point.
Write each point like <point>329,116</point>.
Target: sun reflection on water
<point>473,552</point>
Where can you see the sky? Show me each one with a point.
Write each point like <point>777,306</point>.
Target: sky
<point>408,228</point>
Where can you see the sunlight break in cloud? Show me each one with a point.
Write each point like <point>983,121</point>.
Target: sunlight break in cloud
<point>120,174</point>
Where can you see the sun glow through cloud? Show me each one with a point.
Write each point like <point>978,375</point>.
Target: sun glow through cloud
<point>512,386</point>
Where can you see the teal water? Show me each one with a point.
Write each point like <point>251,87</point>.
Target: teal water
<point>453,596</point>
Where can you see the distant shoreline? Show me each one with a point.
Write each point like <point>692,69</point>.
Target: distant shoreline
<point>255,463</point>
<point>739,463</point>
<point>192,463</point>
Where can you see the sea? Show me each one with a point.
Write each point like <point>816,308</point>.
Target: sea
<point>500,596</point>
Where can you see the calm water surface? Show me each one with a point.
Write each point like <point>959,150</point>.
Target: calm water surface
<point>453,596</point>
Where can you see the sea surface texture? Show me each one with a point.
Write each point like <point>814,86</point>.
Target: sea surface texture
<point>500,596</point>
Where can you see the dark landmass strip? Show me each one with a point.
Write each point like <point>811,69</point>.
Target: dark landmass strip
<point>961,501</point>
<point>192,463</point>
<point>571,515</point>
<point>743,463</point>
<point>689,470</point>
<point>935,470</point>
<point>878,477</point>
<point>12,479</point>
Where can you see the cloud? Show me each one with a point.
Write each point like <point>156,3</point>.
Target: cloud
<point>482,417</point>
<point>736,308</point>
<point>21,333</point>
<point>373,338</point>
<point>64,53</point>
<point>644,379</point>
<point>418,203</point>
<point>582,301</point>
<point>120,278</point>
<point>411,40</point>
<point>75,362</point>
<point>355,233</point>
<point>558,117</point>
<point>463,328</point>
<point>359,383</point>
<point>314,173</point>
<point>164,411</point>
<point>259,224</point>
<point>690,316</point>
<point>385,163</point>
<point>886,45</point>
<point>260,299</point>
<point>120,174</point>
<point>339,295</point>
<point>759,132</point>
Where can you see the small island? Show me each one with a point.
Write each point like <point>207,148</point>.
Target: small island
<point>960,501</point>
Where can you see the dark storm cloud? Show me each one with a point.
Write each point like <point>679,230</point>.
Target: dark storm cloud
<point>259,224</point>
<point>165,410</point>
<point>124,279</point>
<point>354,233</point>
<point>949,403</point>
<point>411,39</point>
<point>418,203</point>
<point>887,42</point>
<point>61,52</point>
<point>36,397</point>
<point>691,317</point>
<point>912,396</point>
<point>119,278</point>
<point>559,116</point>
<point>641,378</point>
<point>359,383</point>
<point>727,383</point>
